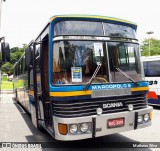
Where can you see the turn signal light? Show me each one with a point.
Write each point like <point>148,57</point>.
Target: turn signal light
<point>62,128</point>
<point>150,115</point>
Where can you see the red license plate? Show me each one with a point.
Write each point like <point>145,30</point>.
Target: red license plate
<point>118,122</point>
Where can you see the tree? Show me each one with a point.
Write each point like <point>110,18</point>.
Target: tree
<point>154,47</point>
<point>7,68</point>
<point>16,53</point>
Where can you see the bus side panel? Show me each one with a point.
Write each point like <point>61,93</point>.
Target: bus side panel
<point>26,93</point>
<point>154,101</point>
<point>15,87</point>
<point>21,90</point>
<point>154,90</point>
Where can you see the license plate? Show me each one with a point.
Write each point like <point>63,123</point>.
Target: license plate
<point>118,122</point>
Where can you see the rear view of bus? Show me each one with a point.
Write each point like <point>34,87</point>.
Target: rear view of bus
<point>85,78</point>
<point>152,75</point>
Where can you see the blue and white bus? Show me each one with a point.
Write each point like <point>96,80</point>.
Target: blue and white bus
<point>151,67</point>
<point>82,78</point>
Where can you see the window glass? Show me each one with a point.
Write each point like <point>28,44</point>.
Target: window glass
<point>145,68</point>
<point>19,68</point>
<point>31,80</point>
<point>151,68</point>
<point>78,28</point>
<point>124,56</point>
<point>115,30</point>
<point>74,62</point>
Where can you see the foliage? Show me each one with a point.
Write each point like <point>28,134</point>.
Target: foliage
<point>7,68</point>
<point>154,47</point>
<point>16,53</point>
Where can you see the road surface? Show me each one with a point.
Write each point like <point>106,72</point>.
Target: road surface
<point>16,126</point>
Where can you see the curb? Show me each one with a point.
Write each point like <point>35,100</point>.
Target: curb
<point>7,92</point>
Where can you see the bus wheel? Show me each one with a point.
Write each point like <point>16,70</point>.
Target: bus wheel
<point>34,119</point>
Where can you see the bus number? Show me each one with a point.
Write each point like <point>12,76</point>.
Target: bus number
<point>152,82</point>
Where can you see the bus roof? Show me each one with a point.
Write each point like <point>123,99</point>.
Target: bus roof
<point>150,58</point>
<point>94,17</point>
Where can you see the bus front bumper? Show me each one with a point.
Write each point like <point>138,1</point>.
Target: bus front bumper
<point>98,124</point>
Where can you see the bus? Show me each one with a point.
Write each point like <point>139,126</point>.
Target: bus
<point>82,78</point>
<point>151,67</point>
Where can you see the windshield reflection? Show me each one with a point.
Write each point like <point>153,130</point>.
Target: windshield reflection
<point>126,57</point>
<point>74,62</point>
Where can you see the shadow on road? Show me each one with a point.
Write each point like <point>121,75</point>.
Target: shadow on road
<point>112,142</point>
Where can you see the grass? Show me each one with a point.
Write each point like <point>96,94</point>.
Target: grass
<point>6,85</point>
<point>4,78</point>
<point>19,84</point>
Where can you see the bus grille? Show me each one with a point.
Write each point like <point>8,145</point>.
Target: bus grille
<point>81,108</point>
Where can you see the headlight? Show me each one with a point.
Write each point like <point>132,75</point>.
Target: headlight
<point>73,128</point>
<point>140,118</point>
<point>99,111</point>
<point>84,127</point>
<point>146,117</point>
<point>130,107</point>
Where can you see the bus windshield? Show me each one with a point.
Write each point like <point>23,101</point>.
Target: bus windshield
<point>126,57</point>
<point>74,62</point>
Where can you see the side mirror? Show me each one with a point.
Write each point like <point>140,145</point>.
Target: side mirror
<point>5,52</point>
<point>28,56</point>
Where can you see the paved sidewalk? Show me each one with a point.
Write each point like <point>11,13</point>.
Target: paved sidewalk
<point>15,123</point>
<point>16,126</point>
<point>13,128</point>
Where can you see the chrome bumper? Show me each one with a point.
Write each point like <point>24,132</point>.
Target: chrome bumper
<point>99,124</point>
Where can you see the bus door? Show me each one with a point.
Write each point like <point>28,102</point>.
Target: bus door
<point>39,86</point>
<point>34,83</point>
<point>44,82</point>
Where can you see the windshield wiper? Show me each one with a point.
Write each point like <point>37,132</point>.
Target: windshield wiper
<point>122,72</point>
<point>93,76</point>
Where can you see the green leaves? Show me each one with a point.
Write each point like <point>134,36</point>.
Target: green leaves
<point>7,68</point>
<point>16,53</point>
<point>154,47</point>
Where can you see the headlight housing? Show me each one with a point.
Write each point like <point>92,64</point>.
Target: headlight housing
<point>146,117</point>
<point>140,118</point>
<point>84,127</point>
<point>73,128</point>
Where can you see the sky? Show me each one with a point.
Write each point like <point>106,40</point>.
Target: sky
<point>23,20</point>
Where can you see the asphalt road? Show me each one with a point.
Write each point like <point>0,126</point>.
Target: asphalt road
<point>16,126</point>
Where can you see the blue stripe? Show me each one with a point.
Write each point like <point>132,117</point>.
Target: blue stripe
<point>140,84</point>
<point>139,92</point>
<point>50,54</point>
<point>154,101</point>
<point>64,88</point>
<point>70,98</point>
